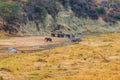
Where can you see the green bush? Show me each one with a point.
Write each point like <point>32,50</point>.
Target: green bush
<point>116,1</point>
<point>8,10</point>
<point>100,10</point>
<point>117,17</point>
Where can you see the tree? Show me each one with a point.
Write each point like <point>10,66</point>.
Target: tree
<point>8,10</point>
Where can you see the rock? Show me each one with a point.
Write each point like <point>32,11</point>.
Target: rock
<point>36,47</point>
<point>76,39</point>
<point>11,49</point>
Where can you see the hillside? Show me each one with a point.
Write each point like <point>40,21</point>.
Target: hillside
<point>69,16</point>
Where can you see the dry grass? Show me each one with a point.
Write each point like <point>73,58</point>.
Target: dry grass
<point>3,35</point>
<point>96,58</point>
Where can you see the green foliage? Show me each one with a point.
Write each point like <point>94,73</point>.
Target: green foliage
<point>100,10</point>
<point>117,17</point>
<point>8,10</point>
<point>41,8</point>
<point>116,1</point>
<point>65,3</point>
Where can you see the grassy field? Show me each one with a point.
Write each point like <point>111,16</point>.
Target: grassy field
<point>95,58</point>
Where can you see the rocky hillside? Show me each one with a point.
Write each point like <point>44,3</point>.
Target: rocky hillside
<point>68,16</point>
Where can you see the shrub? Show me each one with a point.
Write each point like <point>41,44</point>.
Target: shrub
<point>8,10</point>
<point>100,10</point>
<point>117,17</point>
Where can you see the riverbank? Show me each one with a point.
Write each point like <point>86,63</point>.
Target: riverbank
<point>29,44</point>
<point>26,44</point>
<point>95,58</point>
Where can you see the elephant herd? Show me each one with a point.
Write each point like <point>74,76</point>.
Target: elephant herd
<point>72,37</point>
<point>62,35</point>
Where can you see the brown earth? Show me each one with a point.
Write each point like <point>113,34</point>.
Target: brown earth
<point>26,43</point>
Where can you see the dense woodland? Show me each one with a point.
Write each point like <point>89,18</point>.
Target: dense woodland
<point>16,12</point>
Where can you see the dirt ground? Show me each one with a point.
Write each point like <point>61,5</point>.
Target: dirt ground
<point>26,43</point>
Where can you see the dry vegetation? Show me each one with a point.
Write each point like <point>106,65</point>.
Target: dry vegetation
<point>96,58</point>
<point>3,35</point>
